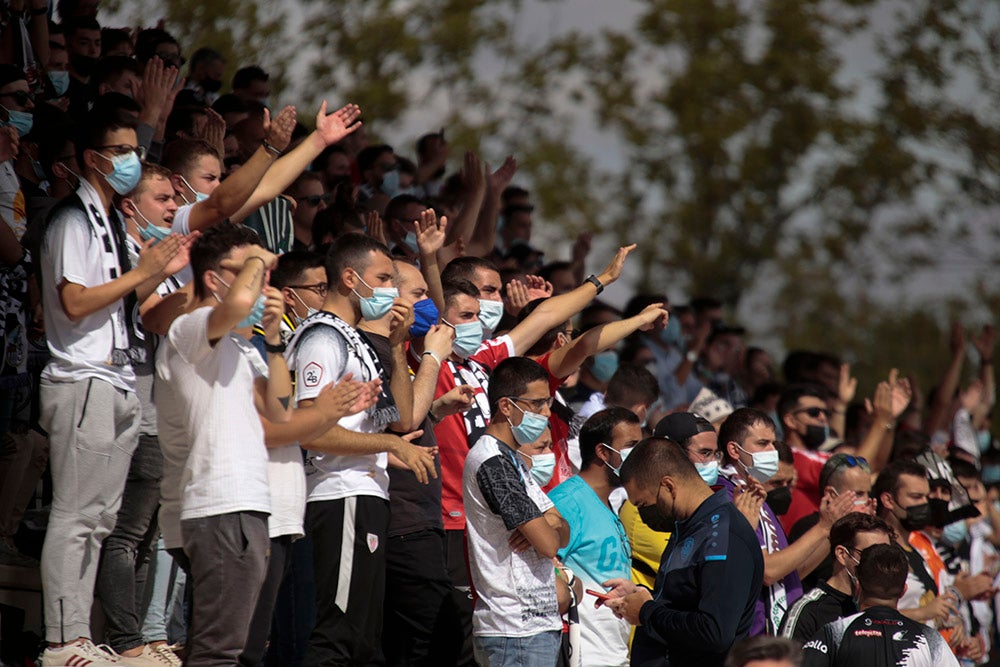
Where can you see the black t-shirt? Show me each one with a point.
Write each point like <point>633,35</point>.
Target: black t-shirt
<point>824,570</point>
<point>413,506</point>
<point>823,604</point>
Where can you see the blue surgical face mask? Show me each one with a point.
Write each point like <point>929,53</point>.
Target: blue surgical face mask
<point>623,453</point>
<point>765,464</point>
<point>604,366</point>
<point>425,314</point>
<point>60,81</point>
<point>709,472</point>
<point>984,440</point>
<point>672,334</point>
<point>126,170</point>
<point>468,338</point>
<point>490,313</point>
<point>256,311</point>
<point>149,230</point>
<point>542,467</point>
<point>955,533</point>
<point>310,311</point>
<point>198,196</point>
<point>378,305</point>
<point>531,428</point>
<point>22,121</point>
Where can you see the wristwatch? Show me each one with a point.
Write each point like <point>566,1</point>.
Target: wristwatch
<point>691,356</point>
<point>592,279</point>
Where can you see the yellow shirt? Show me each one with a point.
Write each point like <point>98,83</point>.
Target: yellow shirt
<point>647,545</point>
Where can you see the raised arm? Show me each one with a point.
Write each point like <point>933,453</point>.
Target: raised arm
<point>329,130</point>
<point>399,381</point>
<point>227,199</point>
<point>465,222</point>
<point>558,309</point>
<point>274,395</point>
<point>567,359</point>
<point>437,348</point>
<point>937,417</point>
<point>243,292</point>
<point>431,234</point>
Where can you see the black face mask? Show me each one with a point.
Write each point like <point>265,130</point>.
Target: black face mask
<point>83,65</point>
<point>917,517</point>
<point>780,499</point>
<point>211,85</point>
<point>654,517</point>
<point>815,436</point>
<point>938,514</point>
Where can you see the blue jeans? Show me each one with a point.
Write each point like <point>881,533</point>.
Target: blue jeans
<point>541,650</point>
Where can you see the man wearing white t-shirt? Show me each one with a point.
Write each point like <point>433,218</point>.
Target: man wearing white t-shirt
<point>347,511</point>
<point>212,389</point>
<point>88,401</point>
<point>514,530</point>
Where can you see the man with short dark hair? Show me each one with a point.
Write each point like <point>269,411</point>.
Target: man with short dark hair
<point>711,572</point>
<point>833,598</point>
<point>252,83</point>
<point>88,401</point>
<point>514,529</point>
<point>879,635</point>
<point>598,549</point>
<point>765,651</point>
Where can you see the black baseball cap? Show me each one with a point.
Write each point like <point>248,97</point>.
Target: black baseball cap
<point>681,426</point>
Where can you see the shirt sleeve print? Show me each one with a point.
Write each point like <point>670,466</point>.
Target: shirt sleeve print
<point>504,492</point>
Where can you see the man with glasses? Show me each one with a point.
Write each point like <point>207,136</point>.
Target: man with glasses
<point>834,597</point>
<point>514,529</point>
<point>88,401</point>
<point>598,548</point>
<point>310,199</point>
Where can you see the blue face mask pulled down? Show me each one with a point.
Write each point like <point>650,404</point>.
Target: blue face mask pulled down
<point>378,305</point>
<point>149,230</point>
<point>60,81</point>
<point>425,314</point>
<point>955,533</point>
<point>468,338</point>
<point>531,428</point>
<point>126,170</point>
<point>198,196</point>
<point>256,311</point>
<point>490,313</point>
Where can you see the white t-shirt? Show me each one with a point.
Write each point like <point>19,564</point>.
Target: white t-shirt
<point>72,251</point>
<point>12,202</point>
<point>324,356</point>
<point>517,590</point>
<point>214,459</point>
<point>182,220</point>
<point>287,479</point>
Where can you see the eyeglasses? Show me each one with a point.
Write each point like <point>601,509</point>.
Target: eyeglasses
<point>535,403</point>
<point>320,289</point>
<point>123,149</point>
<point>22,97</point>
<point>314,200</point>
<point>815,412</point>
<point>705,454</point>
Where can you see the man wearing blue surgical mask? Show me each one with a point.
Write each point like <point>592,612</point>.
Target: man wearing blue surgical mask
<point>599,549</point>
<point>348,486</point>
<point>750,459</point>
<point>514,530</point>
<point>18,103</point>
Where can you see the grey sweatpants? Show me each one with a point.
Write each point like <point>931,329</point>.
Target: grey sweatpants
<point>93,429</point>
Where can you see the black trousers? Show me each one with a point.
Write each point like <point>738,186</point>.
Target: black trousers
<point>457,562</point>
<point>349,557</point>
<point>260,625</point>
<point>421,622</point>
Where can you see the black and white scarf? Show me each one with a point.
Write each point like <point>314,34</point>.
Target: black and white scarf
<point>477,417</point>
<point>384,412</point>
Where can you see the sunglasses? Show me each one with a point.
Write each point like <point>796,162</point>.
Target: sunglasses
<point>815,412</point>
<point>23,98</point>
<point>849,461</point>
<point>314,200</point>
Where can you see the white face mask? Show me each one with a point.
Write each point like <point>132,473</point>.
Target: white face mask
<point>765,464</point>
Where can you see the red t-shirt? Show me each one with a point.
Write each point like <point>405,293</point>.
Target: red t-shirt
<point>559,430</point>
<point>806,494</point>
<point>457,433</point>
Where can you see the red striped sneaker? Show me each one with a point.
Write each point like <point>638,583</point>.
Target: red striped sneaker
<point>79,654</point>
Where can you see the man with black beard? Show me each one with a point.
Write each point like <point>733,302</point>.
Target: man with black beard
<point>598,549</point>
<point>711,572</point>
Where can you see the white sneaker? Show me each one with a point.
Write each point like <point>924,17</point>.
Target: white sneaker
<point>81,654</point>
<point>150,657</point>
<point>169,654</point>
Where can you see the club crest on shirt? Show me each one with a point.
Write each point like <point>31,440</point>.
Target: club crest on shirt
<point>372,542</point>
<point>312,374</point>
<point>686,549</point>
